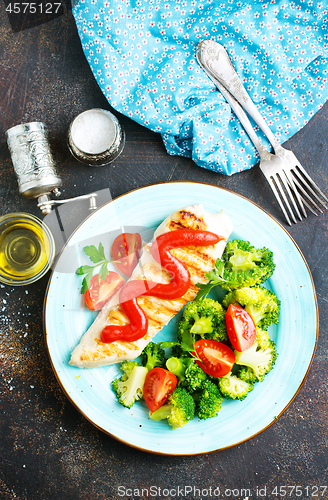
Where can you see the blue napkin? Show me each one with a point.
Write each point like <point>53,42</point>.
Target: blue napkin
<point>142,54</point>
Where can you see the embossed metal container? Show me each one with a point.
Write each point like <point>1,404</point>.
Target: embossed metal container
<point>95,137</point>
<point>32,160</point>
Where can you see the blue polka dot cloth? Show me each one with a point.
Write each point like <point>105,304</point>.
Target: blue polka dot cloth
<point>143,56</point>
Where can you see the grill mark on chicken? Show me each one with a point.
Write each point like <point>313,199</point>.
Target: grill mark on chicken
<point>154,309</point>
<point>192,258</point>
<point>187,220</point>
<point>117,317</point>
<point>112,349</point>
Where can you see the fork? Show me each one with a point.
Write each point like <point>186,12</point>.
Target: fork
<point>289,181</point>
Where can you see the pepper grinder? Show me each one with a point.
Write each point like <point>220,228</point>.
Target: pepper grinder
<point>35,167</point>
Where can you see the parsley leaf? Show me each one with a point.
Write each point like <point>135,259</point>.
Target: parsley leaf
<point>97,256</point>
<point>215,277</point>
<point>187,341</point>
<point>168,343</point>
<point>86,283</point>
<point>103,272</point>
<point>84,269</point>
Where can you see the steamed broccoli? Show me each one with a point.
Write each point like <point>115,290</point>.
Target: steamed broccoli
<point>262,304</point>
<point>208,401</point>
<point>263,338</point>
<point>177,366</point>
<point>205,318</point>
<point>179,409</point>
<point>241,265</point>
<point>153,355</point>
<point>258,361</point>
<point>127,368</point>
<point>189,374</point>
<point>263,342</point>
<point>129,388</point>
<point>232,387</point>
<point>194,376</point>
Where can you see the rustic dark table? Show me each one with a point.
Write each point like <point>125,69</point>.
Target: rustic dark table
<point>48,449</point>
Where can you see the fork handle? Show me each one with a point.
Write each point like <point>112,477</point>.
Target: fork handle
<point>216,62</point>
<point>243,118</point>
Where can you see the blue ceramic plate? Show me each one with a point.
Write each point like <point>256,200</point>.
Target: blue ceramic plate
<point>66,319</point>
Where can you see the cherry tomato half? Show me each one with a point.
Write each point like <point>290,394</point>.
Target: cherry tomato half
<point>216,358</point>
<point>126,251</point>
<point>240,327</point>
<point>159,384</point>
<point>100,291</point>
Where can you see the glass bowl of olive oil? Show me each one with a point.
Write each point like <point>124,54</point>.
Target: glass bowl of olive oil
<point>27,249</point>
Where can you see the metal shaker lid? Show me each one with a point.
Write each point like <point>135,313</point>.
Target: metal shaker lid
<point>95,137</point>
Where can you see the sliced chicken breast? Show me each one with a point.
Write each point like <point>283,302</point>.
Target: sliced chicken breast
<point>91,352</point>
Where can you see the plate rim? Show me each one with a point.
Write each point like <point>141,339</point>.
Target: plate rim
<point>156,452</point>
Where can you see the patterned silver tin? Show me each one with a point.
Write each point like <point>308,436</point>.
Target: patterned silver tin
<point>32,160</point>
<point>90,127</point>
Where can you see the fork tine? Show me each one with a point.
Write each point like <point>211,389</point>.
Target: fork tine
<point>306,194</point>
<point>309,207</point>
<point>274,186</point>
<point>298,168</point>
<point>290,185</point>
<point>284,185</point>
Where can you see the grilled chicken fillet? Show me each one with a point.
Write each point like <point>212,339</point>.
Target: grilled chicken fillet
<point>91,352</point>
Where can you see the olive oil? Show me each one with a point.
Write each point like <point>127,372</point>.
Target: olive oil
<point>25,250</point>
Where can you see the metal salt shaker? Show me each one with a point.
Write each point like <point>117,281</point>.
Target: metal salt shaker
<point>95,137</point>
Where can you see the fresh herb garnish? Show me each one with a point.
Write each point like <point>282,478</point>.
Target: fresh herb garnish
<point>97,256</point>
<point>215,277</point>
<point>186,343</point>
<point>188,346</point>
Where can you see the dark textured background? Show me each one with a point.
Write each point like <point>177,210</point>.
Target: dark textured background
<point>48,450</point>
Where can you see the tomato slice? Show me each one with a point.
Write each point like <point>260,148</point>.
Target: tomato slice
<point>240,327</point>
<point>101,290</point>
<point>126,251</point>
<point>216,358</point>
<point>159,384</point>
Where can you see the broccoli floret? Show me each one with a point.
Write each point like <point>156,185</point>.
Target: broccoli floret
<point>232,387</point>
<point>262,304</point>
<point>246,265</point>
<point>209,401</point>
<point>247,375</point>
<point>258,359</point>
<point>179,409</point>
<point>127,367</point>
<point>194,377</point>
<point>153,355</point>
<point>129,388</point>
<point>177,366</point>
<point>263,338</point>
<point>189,374</point>
<point>241,265</point>
<point>203,318</point>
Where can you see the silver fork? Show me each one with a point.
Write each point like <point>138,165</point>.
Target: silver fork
<point>290,183</point>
